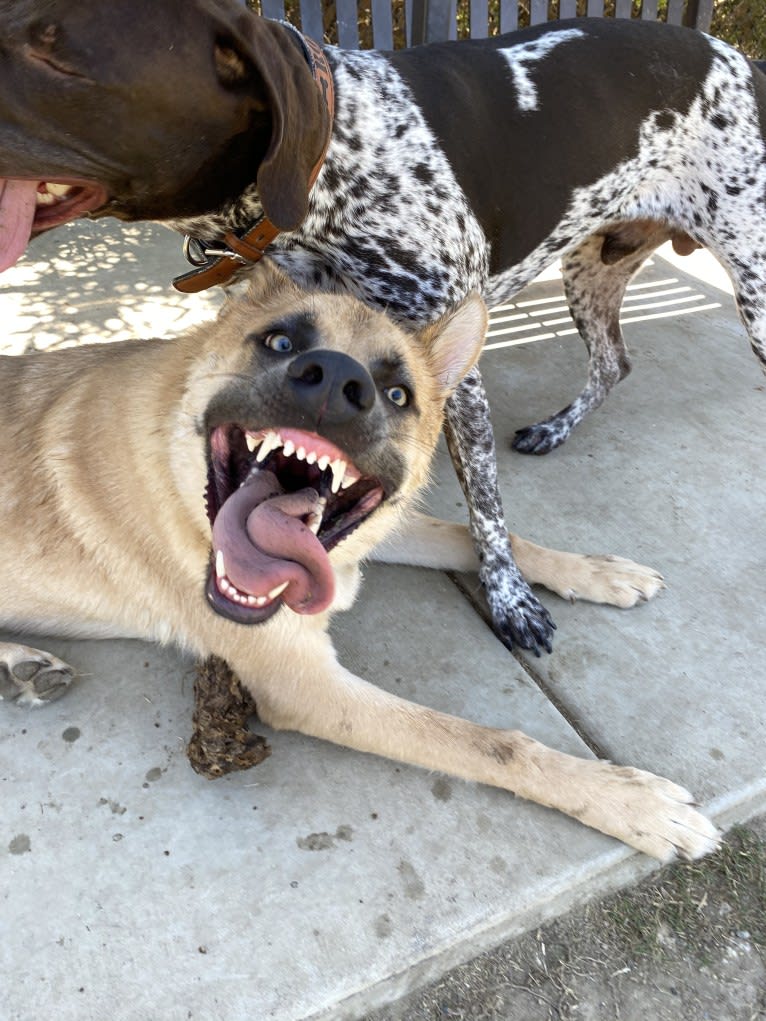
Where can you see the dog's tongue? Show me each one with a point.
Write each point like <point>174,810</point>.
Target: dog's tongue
<point>18,201</point>
<point>265,543</point>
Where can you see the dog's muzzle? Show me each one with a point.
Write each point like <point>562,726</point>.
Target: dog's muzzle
<point>279,500</point>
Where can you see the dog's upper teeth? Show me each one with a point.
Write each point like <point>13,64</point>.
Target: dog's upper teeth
<point>270,442</point>
<point>300,453</point>
<point>323,461</point>
<point>338,471</point>
<point>289,448</point>
<point>311,457</point>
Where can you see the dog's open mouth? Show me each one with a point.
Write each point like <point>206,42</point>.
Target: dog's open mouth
<point>29,207</point>
<point>278,501</point>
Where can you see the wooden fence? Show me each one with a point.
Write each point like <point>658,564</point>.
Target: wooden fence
<point>387,25</point>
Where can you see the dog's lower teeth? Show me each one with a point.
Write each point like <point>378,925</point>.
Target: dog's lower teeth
<point>278,590</point>
<point>220,567</point>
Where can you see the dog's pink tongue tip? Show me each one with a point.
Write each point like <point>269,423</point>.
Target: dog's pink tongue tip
<point>18,201</point>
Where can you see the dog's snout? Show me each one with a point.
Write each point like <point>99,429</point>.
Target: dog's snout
<point>331,385</point>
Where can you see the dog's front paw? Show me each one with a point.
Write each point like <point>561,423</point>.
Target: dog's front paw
<point>540,438</point>
<point>655,816</point>
<point>519,619</point>
<point>611,580</point>
<point>29,677</point>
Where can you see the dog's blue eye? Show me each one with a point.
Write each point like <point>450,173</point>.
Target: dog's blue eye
<point>397,395</point>
<point>279,342</point>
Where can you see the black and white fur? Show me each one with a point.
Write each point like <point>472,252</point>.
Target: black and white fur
<point>477,164</point>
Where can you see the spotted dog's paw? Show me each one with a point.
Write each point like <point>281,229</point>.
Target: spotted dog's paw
<point>540,438</point>
<point>519,619</point>
<point>29,677</point>
<point>612,580</point>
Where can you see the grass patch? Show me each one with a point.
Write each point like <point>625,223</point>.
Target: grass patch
<point>704,905</point>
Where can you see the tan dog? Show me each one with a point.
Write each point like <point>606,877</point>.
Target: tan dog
<point>302,426</point>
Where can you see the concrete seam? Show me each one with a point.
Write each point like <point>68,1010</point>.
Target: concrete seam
<point>476,600</point>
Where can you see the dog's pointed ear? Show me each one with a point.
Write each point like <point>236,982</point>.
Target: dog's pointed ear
<point>282,83</point>
<point>454,342</point>
<point>265,279</point>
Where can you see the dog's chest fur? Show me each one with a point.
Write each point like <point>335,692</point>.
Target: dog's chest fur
<point>387,216</point>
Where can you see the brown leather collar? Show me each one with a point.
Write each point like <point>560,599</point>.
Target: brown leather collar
<point>217,264</point>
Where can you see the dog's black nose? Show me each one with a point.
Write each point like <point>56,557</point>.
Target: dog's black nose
<point>331,386</point>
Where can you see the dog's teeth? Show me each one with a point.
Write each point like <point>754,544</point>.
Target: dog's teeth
<point>338,471</point>
<point>289,448</point>
<point>270,442</point>
<point>323,461</point>
<point>220,569</point>
<point>261,600</point>
<point>251,441</point>
<point>348,480</point>
<point>311,457</point>
<point>300,453</point>
<point>58,189</point>
<point>314,519</point>
<point>278,590</point>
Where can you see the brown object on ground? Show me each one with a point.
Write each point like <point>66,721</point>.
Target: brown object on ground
<point>221,742</point>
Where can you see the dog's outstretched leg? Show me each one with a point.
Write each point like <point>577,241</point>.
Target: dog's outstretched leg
<point>519,617</point>
<point>595,276</point>
<point>29,677</point>
<point>319,697</point>
<point>447,546</point>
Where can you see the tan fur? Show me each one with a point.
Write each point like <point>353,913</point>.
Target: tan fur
<point>104,532</point>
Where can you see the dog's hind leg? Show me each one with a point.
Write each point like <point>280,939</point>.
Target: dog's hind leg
<point>749,278</point>
<point>447,546</point>
<point>316,696</point>
<point>595,276</point>
<point>29,677</point>
<point>519,618</point>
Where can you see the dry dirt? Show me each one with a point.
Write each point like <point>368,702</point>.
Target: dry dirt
<point>688,944</point>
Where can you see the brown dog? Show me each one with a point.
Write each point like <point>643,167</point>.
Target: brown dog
<point>297,430</point>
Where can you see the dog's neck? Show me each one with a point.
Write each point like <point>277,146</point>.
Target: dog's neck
<point>242,230</point>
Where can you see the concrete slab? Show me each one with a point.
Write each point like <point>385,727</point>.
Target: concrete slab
<point>669,473</point>
<point>325,882</point>
<point>318,884</point>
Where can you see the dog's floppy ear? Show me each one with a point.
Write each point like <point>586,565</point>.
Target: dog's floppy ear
<point>299,117</point>
<point>454,342</point>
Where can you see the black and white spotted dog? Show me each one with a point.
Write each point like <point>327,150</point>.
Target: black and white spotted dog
<point>450,167</point>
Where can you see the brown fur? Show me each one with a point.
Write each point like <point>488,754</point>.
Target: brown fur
<point>105,533</point>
